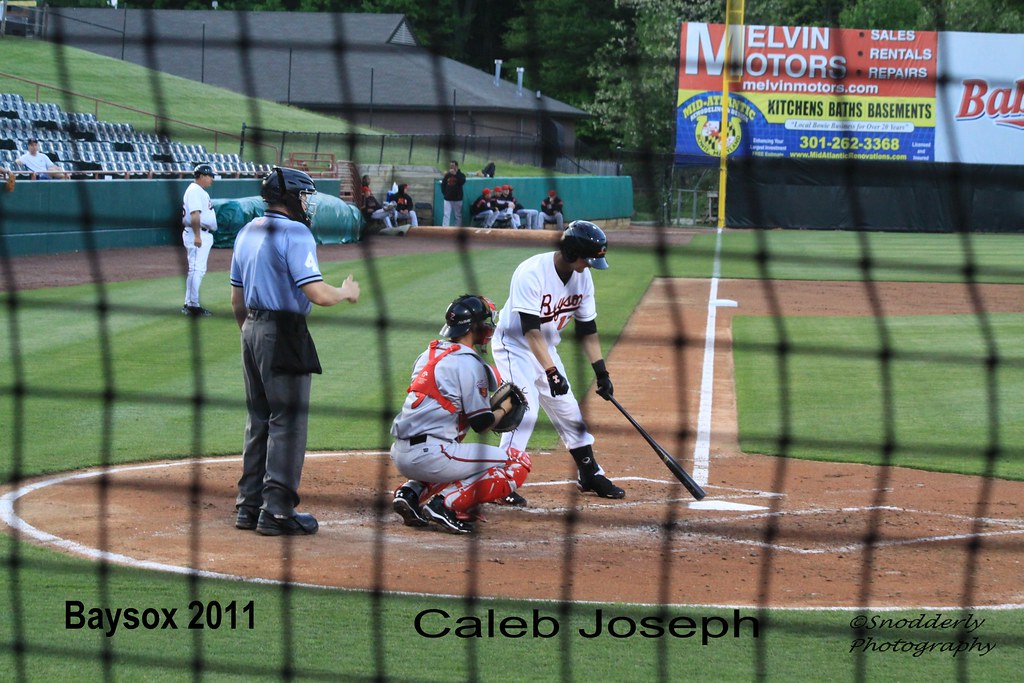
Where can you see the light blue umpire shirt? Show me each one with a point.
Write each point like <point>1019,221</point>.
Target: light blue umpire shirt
<point>274,257</point>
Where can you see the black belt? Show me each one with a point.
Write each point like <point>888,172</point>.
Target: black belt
<point>422,438</point>
<point>258,314</point>
<point>190,227</point>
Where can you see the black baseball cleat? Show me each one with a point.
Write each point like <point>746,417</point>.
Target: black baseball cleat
<point>299,524</point>
<point>512,500</point>
<point>247,518</point>
<point>407,505</point>
<point>199,312</point>
<point>186,310</point>
<point>602,486</point>
<point>444,517</point>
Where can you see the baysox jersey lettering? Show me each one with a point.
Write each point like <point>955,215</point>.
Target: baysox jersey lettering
<point>536,289</point>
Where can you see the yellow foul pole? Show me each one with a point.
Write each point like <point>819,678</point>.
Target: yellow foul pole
<point>732,72</point>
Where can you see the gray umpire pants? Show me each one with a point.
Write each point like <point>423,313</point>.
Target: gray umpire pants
<point>275,432</point>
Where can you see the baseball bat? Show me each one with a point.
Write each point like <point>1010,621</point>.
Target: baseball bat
<point>673,466</point>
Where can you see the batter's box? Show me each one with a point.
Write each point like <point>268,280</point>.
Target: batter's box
<point>832,531</point>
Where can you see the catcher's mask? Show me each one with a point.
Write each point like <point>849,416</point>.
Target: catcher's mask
<point>583,239</point>
<point>293,188</point>
<point>470,313</point>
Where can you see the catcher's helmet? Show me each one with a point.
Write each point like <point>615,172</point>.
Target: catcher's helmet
<point>292,188</point>
<point>203,169</point>
<point>583,239</point>
<point>469,313</point>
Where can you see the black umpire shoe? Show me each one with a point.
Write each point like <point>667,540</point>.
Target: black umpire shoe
<point>247,518</point>
<point>407,505</point>
<point>299,524</point>
<point>602,486</point>
<point>444,517</point>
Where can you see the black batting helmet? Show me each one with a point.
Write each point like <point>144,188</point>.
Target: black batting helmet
<point>469,313</point>
<point>203,169</point>
<point>289,186</point>
<point>583,239</point>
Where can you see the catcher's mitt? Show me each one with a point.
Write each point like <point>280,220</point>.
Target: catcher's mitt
<point>511,399</point>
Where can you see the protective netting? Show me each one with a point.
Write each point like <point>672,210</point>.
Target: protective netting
<point>846,398</point>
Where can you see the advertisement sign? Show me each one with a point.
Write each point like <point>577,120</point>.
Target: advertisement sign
<point>980,98</point>
<point>813,92</point>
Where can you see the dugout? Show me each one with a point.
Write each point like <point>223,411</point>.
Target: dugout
<point>593,198</point>
<point>874,195</point>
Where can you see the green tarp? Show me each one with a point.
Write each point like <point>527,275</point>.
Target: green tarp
<point>335,221</point>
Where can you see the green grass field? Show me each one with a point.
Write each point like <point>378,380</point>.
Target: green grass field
<point>56,348</point>
<point>936,400</point>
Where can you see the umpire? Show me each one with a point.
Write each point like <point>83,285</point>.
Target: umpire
<point>275,279</point>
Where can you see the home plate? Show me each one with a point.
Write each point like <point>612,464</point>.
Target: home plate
<point>724,505</point>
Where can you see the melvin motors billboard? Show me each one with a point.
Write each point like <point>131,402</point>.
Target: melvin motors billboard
<point>811,92</point>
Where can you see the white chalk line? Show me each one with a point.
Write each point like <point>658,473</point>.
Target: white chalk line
<point>702,448</point>
<point>10,517</point>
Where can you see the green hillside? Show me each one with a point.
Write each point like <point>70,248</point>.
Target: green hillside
<point>68,70</point>
<point>195,113</point>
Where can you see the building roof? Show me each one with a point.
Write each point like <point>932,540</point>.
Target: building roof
<point>333,61</point>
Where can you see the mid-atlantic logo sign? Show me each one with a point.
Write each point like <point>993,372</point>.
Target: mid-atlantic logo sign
<point>1004,106</point>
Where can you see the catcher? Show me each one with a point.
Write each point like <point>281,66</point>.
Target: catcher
<point>449,393</point>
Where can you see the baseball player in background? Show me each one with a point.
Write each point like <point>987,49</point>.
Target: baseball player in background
<point>551,210</point>
<point>481,210</point>
<point>546,292</point>
<point>449,393</point>
<point>451,190</point>
<point>199,222</point>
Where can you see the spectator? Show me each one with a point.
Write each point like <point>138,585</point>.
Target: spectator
<point>529,218</point>
<point>404,206</point>
<point>451,190</point>
<point>504,209</point>
<point>551,210</point>
<point>481,210</point>
<point>373,210</point>
<point>40,165</point>
<point>487,171</point>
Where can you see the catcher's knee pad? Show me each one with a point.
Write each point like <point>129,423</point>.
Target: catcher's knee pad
<point>521,457</point>
<point>517,472</point>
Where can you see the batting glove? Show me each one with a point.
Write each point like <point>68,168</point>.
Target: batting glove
<point>604,383</point>
<point>558,384</point>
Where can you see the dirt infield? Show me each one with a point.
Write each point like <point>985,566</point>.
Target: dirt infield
<point>790,533</point>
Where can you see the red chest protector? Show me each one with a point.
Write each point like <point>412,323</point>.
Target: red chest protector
<point>426,385</point>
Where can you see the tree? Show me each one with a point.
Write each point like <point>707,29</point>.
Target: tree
<point>635,73</point>
<point>556,41</point>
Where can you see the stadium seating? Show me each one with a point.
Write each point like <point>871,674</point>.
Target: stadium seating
<point>88,147</point>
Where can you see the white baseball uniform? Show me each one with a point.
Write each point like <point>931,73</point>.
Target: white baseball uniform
<point>196,199</point>
<point>536,289</point>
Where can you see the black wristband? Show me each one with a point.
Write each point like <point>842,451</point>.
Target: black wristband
<point>599,367</point>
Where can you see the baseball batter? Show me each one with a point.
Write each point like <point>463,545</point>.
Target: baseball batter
<point>449,393</point>
<point>199,222</point>
<point>547,292</point>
